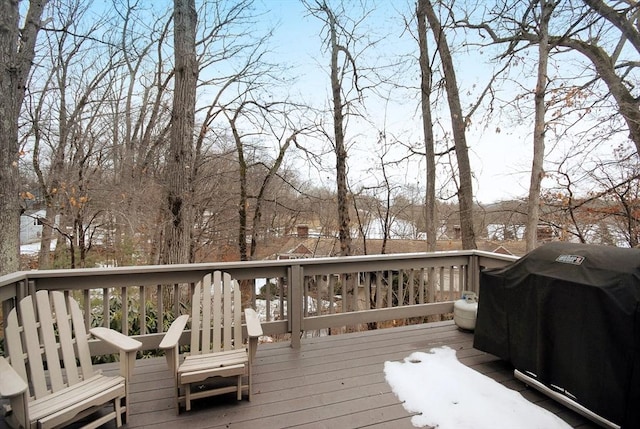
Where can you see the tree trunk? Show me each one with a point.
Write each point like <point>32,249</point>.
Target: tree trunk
<point>427,129</point>
<point>179,164</point>
<point>344,222</point>
<point>271,174</point>
<point>537,169</point>
<point>17,51</point>
<point>243,200</point>
<point>49,192</point>
<point>465,190</point>
<point>48,224</point>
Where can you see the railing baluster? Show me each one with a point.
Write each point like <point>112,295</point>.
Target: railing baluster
<point>379,275</point>
<point>106,313</point>
<point>125,310</point>
<point>412,287</point>
<point>86,303</point>
<point>352,288</point>
<point>267,299</point>
<point>389,289</point>
<point>176,300</point>
<point>367,290</point>
<point>441,284</point>
<point>331,279</point>
<point>343,281</point>
<point>317,279</point>
<point>400,288</point>
<point>296,278</point>
<point>160,307</point>
<point>143,310</point>
<point>305,297</point>
<point>421,286</point>
<point>281,287</point>
<point>431,280</point>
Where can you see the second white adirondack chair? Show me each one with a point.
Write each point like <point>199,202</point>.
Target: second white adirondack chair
<point>217,346</point>
<point>49,378</point>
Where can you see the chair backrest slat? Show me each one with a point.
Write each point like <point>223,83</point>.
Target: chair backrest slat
<point>81,338</point>
<point>218,290</point>
<point>196,325</point>
<point>47,324</point>
<point>227,312</point>
<point>66,338</point>
<point>31,340</point>
<point>206,314</point>
<point>17,354</point>
<point>237,314</point>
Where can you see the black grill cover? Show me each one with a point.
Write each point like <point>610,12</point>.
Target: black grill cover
<point>570,314</point>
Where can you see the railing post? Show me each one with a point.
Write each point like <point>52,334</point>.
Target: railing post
<point>473,274</point>
<point>28,288</point>
<point>295,305</point>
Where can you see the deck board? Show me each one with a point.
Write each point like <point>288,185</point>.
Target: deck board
<point>330,382</point>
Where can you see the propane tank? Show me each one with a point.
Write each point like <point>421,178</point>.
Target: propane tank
<point>465,311</point>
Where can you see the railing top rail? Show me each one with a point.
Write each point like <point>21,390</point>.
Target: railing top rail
<point>164,274</point>
<point>12,278</point>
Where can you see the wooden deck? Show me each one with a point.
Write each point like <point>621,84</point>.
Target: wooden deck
<point>331,382</point>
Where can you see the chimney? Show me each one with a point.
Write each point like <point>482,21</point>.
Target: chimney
<point>303,231</point>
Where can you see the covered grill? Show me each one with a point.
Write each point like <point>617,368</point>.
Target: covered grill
<point>567,316</point>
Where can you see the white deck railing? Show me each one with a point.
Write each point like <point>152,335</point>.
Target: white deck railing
<point>307,296</point>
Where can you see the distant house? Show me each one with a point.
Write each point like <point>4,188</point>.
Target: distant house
<point>31,226</point>
<point>300,252</point>
<point>505,232</point>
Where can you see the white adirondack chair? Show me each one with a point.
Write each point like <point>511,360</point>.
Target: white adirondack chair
<point>46,341</point>
<point>217,347</point>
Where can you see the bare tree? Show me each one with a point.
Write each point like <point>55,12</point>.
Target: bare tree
<point>427,127</point>
<point>66,109</point>
<point>372,204</point>
<point>264,172</point>
<point>260,198</point>
<point>537,169</point>
<point>586,28</point>
<point>611,69</point>
<point>458,124</point>
<point>343,72</point>
<point>17,50</point>
<point>139,129</point>
<point>180,160</point>
<point>621,202</point>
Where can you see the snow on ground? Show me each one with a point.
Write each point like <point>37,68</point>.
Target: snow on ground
<point>34,248</point>
<point>449,395</point>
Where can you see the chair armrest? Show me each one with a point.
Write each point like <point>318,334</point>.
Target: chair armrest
<point>254,328</point>
<point>117,339</point>
<point>172,337</point>
<point>11,384</point>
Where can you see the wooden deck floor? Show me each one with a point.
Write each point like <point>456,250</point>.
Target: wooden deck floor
<point>331,382</point>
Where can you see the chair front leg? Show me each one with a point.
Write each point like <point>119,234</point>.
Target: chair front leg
<point>187,396</point>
